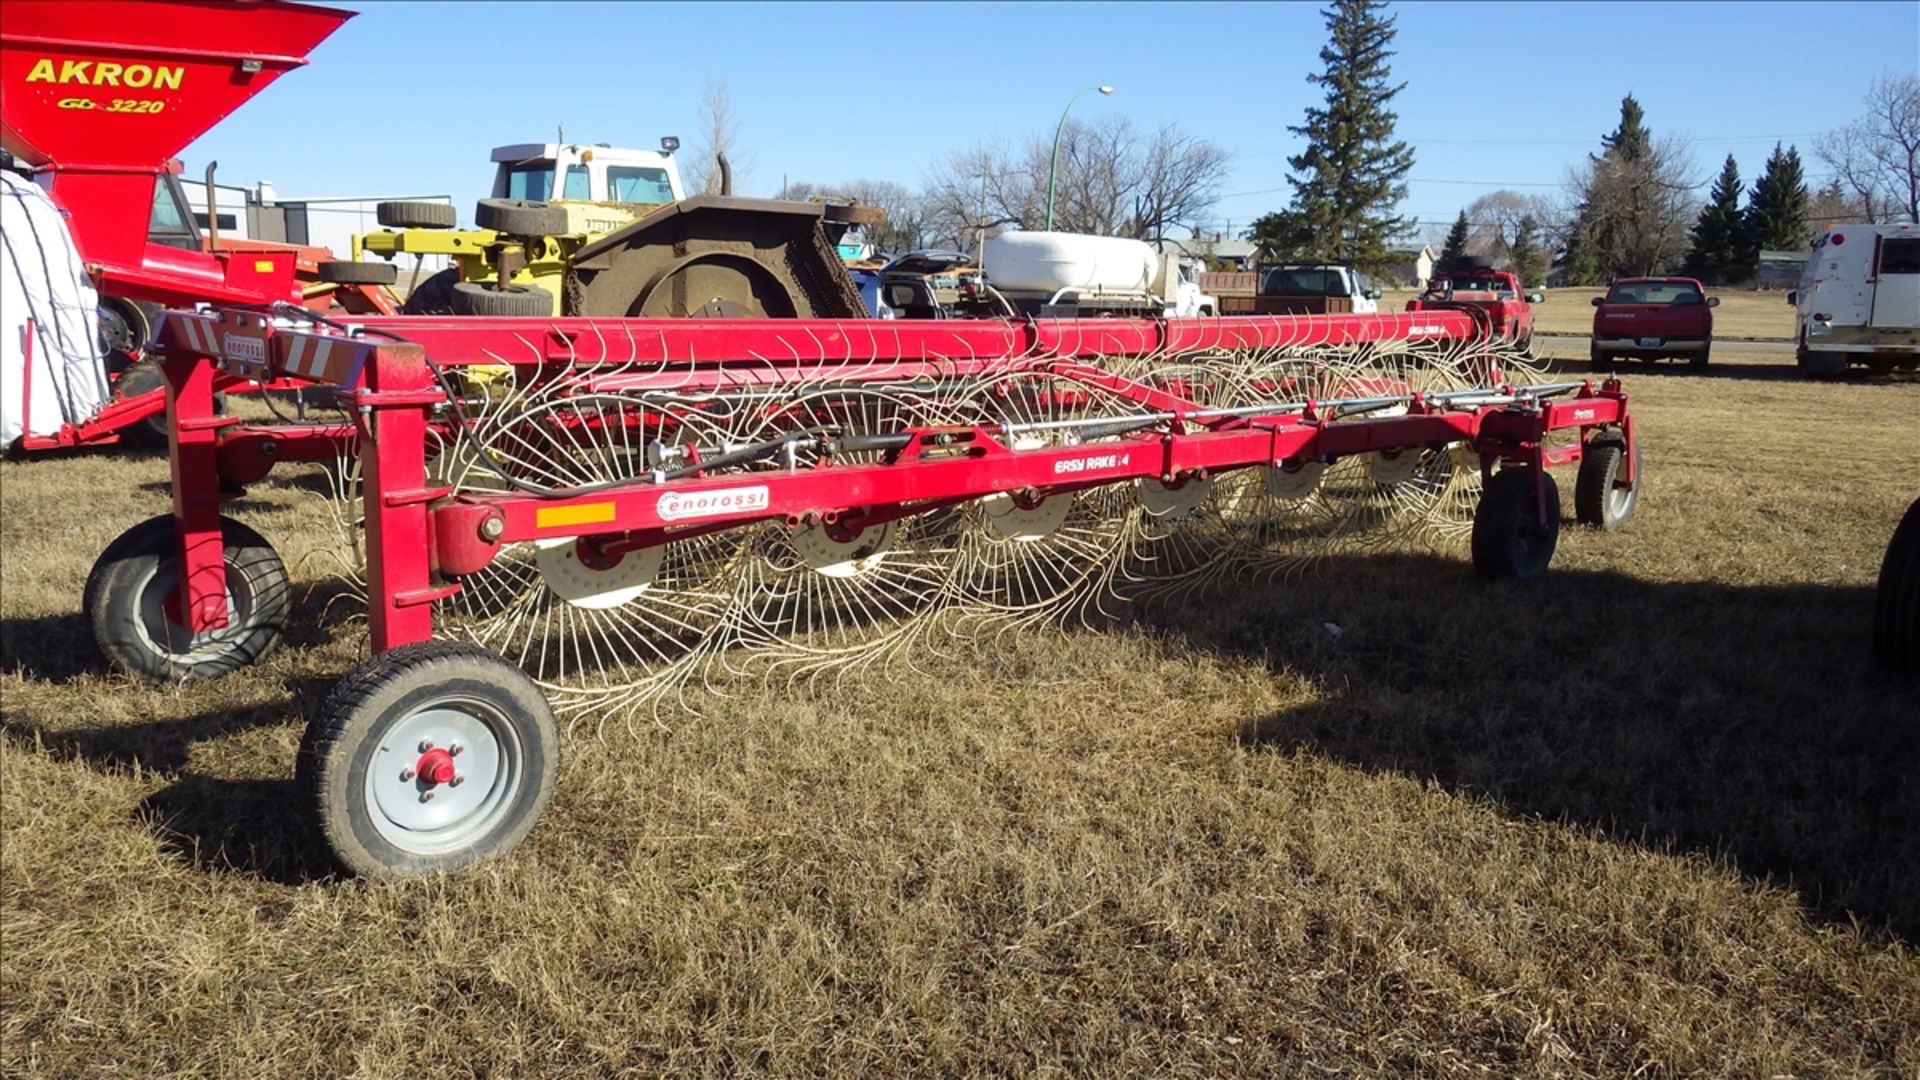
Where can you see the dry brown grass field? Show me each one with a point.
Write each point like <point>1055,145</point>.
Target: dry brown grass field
<point>1652,815</point>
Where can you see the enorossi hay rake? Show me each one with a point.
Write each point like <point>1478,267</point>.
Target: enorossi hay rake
<point>573,518</point>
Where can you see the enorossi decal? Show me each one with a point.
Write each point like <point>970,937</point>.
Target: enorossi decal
<point>674,505</point>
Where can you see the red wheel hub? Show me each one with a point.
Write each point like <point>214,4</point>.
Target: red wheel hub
<point>435,766</point>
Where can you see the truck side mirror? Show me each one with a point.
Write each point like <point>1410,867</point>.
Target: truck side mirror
<point>1713,301</point>
<point>1597,300</point>
<point>1536,298</point>
<point>1374,293</point>
<point>1793,296</point>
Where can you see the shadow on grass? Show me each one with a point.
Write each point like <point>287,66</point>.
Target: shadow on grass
<point>1743,723</point>
<point>60,648</point>
<point>258,828</point>
<point>165,746</point>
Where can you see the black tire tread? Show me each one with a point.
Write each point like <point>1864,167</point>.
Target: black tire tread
<point>1509,493</point>
<point>347,272</point>
<point>349,714</point>
<point>1593,488</point>
<point>413,214</point>
<point>113,576</point>
<point>520,217</point>
<point>512,301</point>
<point>1896,610</point>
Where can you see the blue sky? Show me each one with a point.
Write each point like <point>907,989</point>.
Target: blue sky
<point>408,98</point>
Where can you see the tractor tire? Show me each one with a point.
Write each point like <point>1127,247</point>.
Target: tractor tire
<point>513,301</point>
<point>414,215</point>
<point>1599,359</point>
<point>1509,540</point>
<point>358,273</point>
<point>144,377</point>
<point>1598,500</point>
<point>520,217</point>
<point>428,758</point>
<point>127,592</point>
<point>1896,611</point>
<point>433,296</point>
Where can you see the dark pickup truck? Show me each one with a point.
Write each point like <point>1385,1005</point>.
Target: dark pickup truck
<point>1648,318</point>
<point>1306,289</point>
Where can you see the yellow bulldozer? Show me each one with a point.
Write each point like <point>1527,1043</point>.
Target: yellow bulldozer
<point>598,230</point>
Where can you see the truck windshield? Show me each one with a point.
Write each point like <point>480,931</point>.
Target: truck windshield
<point>1654,292</point>
<point>637,184</point>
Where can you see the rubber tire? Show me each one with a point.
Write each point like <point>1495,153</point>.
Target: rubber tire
<point>1598,359</point>
<point>520,217</point>
<point>514,301</point>
<point>343,272</point>
<point>1593,490</point>
<point>403,214</point>
<point>341,740</point>
<point>1896,609</point>
<point>1507,541</point>
<point>1698,360</point>
<point>145,376</point>
<point>117,584</point>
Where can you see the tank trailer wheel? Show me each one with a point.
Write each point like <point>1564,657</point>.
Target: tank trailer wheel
<point>428,758</point>
<point>520,217</point>
<point>509,301</point>
<point>129,593</point>
<point>1896,611</point>
<point>345,272</point>
<point>1599,500</point>
<point>414,215</point>
<point>1509,539</point>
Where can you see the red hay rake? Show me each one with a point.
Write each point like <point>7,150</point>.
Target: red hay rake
<point>577,516</point>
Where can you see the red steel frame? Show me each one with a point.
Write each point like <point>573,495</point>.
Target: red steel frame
<point>420,538</point>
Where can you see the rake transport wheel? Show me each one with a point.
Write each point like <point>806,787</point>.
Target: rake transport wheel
<point>593,625</point>
<point>826,591</point>
<point>430,757</point>
<point>130,604</point>
<point>1896,612</point>
<point>1510,540</point>
<point>1601,498</point>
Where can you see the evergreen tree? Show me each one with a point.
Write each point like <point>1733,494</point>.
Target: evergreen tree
<point>1719,231</point>
<point>1456,245</point>
<point>1351,177</point>
<point>1631,141</point>
<point>1776,217</point>
<point>1529,258</point>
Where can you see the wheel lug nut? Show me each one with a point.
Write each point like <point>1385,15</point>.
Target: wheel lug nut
<point>454,749</point>
<point>426,796</point>
<point>426,745</point>
<point>458,779</point>
<point>406,775</point>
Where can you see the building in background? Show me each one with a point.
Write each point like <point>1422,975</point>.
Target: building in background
<point>328,221</point>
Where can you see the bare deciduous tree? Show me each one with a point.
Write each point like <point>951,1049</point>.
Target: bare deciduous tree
<point>1112,181</point>
<point>719,134</point>
<point>1877,157</point>
<point>1634,211</point>
<point>1494,222</point>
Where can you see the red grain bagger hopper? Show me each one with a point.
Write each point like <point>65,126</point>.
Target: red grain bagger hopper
<point>97,99</point>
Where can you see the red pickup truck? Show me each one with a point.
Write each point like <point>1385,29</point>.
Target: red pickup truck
<point>1648,318</point>
<point>1494,293</point>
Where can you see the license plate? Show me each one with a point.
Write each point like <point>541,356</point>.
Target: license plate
<point>1649,342</point>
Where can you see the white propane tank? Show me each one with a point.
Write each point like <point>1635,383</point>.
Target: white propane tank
<point>1051,261</point>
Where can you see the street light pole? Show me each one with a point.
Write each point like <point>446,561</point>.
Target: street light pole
<point>1054,168</point>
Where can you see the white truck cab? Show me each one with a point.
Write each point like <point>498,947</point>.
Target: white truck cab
<point>582,175</point>
<point>1859,299</point>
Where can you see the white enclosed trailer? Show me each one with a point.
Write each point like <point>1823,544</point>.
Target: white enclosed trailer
<point>1859,299</point>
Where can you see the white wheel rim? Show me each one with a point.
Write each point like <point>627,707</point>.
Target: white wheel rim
<point>1160,500</point>
<point>419,816</point>
<point>1391,467</point>
<point>822,553</point>
<point>558,560</point>
<point>1296,483</point>
<point>1005,519</point>
<point>174,641</point>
